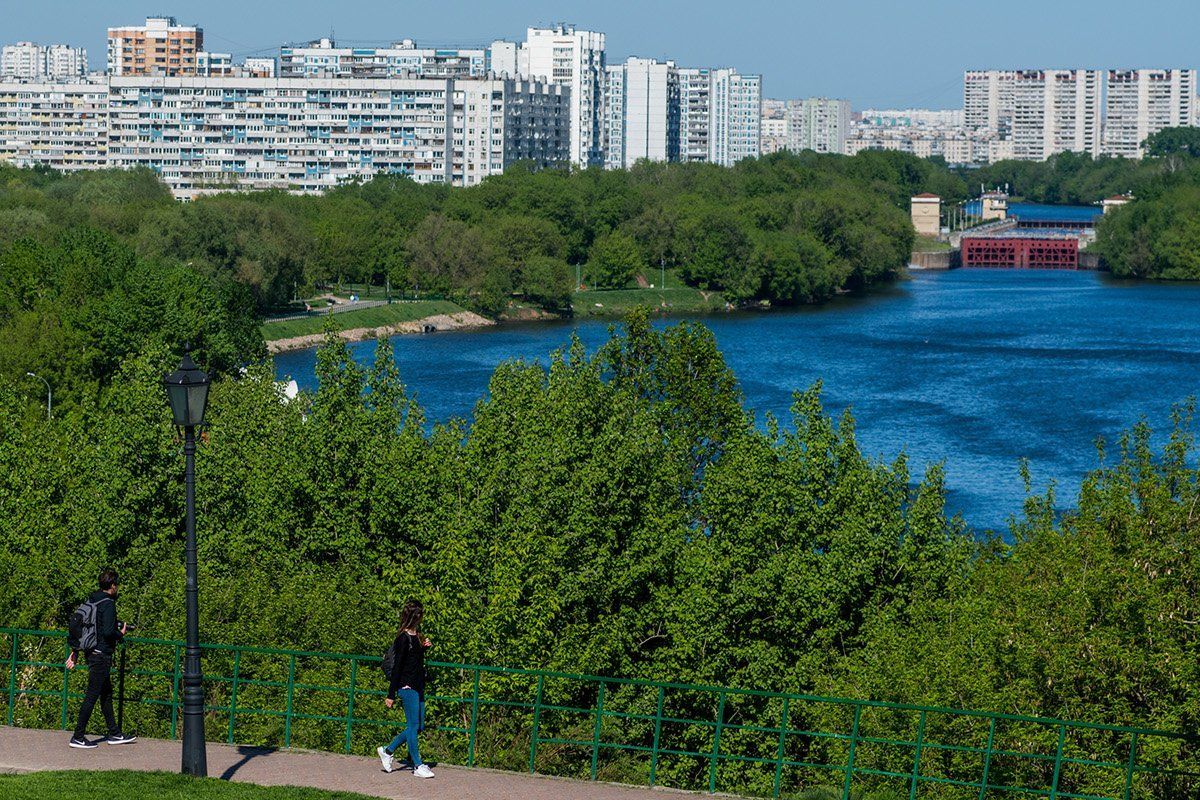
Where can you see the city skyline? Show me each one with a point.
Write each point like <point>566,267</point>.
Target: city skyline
<point>905,57</point>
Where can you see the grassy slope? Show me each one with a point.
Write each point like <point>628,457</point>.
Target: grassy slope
<point>377,316</point>
<point>678,296</point>
<point>149,786</point>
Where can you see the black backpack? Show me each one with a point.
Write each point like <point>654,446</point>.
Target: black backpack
<point>389,661</point>
<point>81,628</point>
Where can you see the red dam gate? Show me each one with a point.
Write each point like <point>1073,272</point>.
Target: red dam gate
<point>1021,252</point>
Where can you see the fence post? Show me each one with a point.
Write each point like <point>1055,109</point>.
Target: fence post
<point>120,687</point>
<point>537,715</point>
<point>916,773</point>
<point>712,759</point>
<point>66,687</point>
<point>853,748</point>
<point>474,719</point>
<point>237,670</point>
<point>175,695</point>
<point>12,678</point>
<point>291,693</point>
<point>350,703</point>
<point>1058,754</point>
<point>1132,764</point>
<point>783,727</point>
<point>596,730</point>
<point>987,759</point>
<point>658,714</point>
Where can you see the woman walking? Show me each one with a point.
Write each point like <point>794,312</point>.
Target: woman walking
<point>408,683</point>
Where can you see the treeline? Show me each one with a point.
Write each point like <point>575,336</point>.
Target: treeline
<point>616,513</point>
<point>786,228</point>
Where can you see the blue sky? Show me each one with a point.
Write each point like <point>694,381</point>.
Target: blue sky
<point>882,53</point>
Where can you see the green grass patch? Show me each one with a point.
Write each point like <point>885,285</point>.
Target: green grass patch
<point>149,786</point>
<point>614,302</point>
<point>924,244</point>
<point>374,317</point>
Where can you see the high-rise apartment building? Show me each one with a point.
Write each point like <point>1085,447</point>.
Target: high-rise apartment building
<point>818,123</point>
<point>32,61</point>
<point>324,59</point>
<point>1141,102</point>
<point>695,108</point>
<point>641,112</point>
<point>735,117</point>
<point>988,100</point>
<point>160,47</point>
<point>59,125</point>
<point>210,134</point>
<point>1056,111</point>
<point>720,115</point>
<point>614,116</point>
<point>574,59</point>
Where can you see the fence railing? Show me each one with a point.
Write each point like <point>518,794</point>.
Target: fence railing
<point>634,731</point>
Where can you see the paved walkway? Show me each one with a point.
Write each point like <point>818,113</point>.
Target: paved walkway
<point>23,750</point>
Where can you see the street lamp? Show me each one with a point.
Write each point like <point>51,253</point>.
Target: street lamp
<point>187,391</point>
<point>49,394</point>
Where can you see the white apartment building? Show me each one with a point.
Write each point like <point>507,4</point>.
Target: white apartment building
<point>1141,102</point>
<point>988,100</point>
<point>576,60</point>
<point>641,112</point>
<point>774,134</point>
<point>210,134</point>
<point>259,68</point>
<point>1056,111</point>
<point>32,61</point>
<point>735,117</point>
<point>695,95</point>
<point>818,123</point>
<point>324,59</point>
<point>214,65</point>
<point>933,119</point>
<point>59,125</point>
<point>614,116</point>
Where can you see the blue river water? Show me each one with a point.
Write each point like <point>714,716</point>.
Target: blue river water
<point>976,368</point>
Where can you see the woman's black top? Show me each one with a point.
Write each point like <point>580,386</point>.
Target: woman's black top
<point>410,665</point>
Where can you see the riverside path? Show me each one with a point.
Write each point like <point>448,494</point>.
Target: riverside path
<point>25,750</point>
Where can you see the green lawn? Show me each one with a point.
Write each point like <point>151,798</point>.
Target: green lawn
<point>374,317</point>
<point>614,302</point>
<point>679,297</point>
<point>924,244</point>
<point>148,786</point>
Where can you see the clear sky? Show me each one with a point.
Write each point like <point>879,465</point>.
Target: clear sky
<point>881,53</point>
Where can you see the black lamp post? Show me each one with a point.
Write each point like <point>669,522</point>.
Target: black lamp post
<point>187,389</point>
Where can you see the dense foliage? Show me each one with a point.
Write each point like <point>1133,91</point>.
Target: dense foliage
<point>617,513</point>
<point>786,228</point>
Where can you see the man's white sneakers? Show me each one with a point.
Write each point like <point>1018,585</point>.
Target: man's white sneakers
<point>385,759</point>
<point>423,771</point>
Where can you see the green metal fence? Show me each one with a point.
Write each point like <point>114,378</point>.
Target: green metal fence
<point>632,731</point>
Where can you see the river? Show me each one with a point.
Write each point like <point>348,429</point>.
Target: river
<point>976,368</point>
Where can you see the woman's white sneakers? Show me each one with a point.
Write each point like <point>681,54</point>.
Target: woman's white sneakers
<point>388,760</point>
<point>385,758</point>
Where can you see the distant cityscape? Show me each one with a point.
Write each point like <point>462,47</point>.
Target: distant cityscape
<point>319,113</point>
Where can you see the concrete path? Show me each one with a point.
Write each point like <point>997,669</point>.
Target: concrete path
<point>23,750</point>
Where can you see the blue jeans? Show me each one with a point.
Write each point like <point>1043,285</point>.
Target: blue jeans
<point>414,722</point>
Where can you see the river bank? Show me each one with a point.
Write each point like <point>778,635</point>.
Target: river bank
<point>461,320</point>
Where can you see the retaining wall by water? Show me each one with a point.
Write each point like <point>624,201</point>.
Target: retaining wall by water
<point>945,259</point>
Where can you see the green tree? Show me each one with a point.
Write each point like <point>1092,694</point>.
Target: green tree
<point>614,260</point>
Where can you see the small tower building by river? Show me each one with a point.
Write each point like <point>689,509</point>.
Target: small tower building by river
<point>927,214</point>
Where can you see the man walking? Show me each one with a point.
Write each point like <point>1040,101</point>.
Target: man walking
<point>95,634</point>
